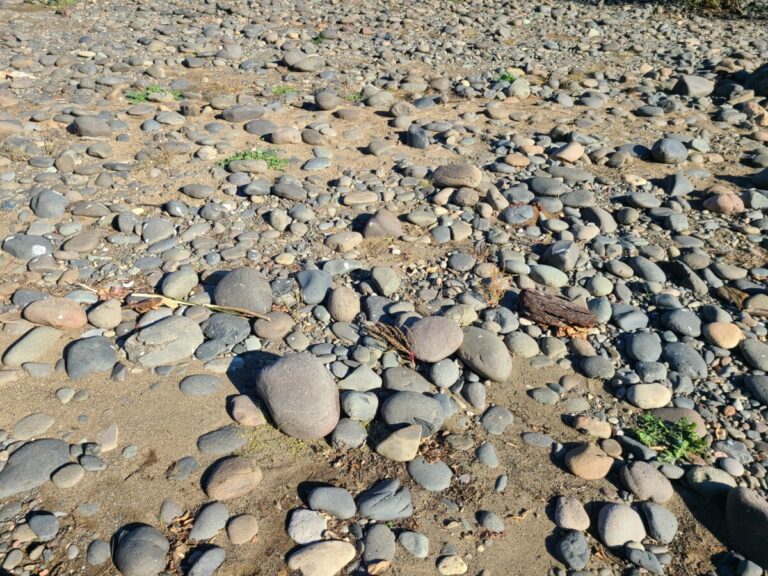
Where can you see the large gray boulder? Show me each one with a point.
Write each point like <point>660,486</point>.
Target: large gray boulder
<point>758,80</point>
<point>746,514</point>
<point>140,550</point>
<point>301,396</point>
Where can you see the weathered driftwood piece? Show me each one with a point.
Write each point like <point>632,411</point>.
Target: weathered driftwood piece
<point>554,310</point>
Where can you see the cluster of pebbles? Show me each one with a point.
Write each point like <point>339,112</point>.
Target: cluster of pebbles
<point>331,210</point>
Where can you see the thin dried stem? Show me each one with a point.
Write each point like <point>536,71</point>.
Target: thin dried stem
<point>396,338</point>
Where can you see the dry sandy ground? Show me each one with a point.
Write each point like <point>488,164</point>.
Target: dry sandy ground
<point>154,415</point>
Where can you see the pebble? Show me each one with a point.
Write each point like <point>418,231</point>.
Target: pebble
<point>305,526</point>
<point>619,524</point>
<point>140,550</point>
<point>242,529</point>
<point>286,388</point>
<point>587,461</point>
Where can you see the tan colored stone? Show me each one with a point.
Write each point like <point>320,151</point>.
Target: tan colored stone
<point>232,477</point>
<point>344,304</point>
<point>570,152</point>
<point>724,204</point>
<point>723,334</point>
<point>588,462</point>
<point>61,313</point>
<point>517,160</point>
<point>592,426</point>
<point>402,445</point>
<point>324,558</point>
<point>245,412</point>
<point>344,241</point>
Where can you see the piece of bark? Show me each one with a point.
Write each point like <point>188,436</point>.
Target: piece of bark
<point>554,310</point>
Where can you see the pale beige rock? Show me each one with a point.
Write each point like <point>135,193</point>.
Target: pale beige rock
<point>61,313</point>
<point>588,462</point>
<point>570,152</point>
<point>451,566</point>
<point>344,241</point>
<point>324,558</point>
<point>402,445</point>
<point>232,477</point>
<point>245,412</point>
<point>723,334</point>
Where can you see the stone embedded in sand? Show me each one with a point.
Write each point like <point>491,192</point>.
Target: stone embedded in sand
<point>31,426</point>
<point>91,127</point>
<point>344,241</point>
<point>755,353</point>
<point>570,514</point>
<point>245,412</point>
<point>231,477</point>
<point>693,86</point>
<point>140,550</point>
<point>344,304</point>
<point>649,396</point>
<point>301,396</point>
<point>242,529</point>
<point>413,408</point>
<point>724,204</point>
<point>588,462</point>
<point>402,445</point>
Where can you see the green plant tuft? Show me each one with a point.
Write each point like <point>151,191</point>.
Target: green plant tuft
<point>271,157</point>
<point>355,97</point>
<point>678,441</point>
<point>319,39</point>
<point>59,3</point>
<point>139,96</point>
<point>284,90</point>
<point>506,77</point>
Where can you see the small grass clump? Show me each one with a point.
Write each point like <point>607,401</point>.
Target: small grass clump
<point>60,3</point>
<point>14,153</point>
<point>678,441</point>
<point>284,90</point>
<point>493,288</point>
<point>139,96</point>
<point>355,97</point>
<point>271,157</point>
<point>506,77</point>
<point>319,39</point>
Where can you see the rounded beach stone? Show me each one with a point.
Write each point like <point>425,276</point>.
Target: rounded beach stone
<point>588,462</point>
<point>301,396</point>
<point>434,338</point>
